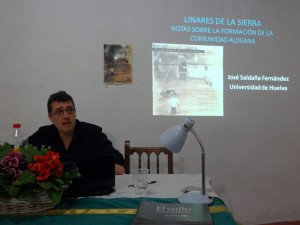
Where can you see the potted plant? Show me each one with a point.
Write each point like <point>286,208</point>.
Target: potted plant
<point>30,179</point>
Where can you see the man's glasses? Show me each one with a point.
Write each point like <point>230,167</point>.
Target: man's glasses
<point>60,112</point>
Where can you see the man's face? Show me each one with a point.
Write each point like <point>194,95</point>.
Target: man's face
<point>63,117</point>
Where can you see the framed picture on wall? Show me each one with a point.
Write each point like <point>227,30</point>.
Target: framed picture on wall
<point>117,64</point>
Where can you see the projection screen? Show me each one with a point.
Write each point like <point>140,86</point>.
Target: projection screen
<point>224,56</point>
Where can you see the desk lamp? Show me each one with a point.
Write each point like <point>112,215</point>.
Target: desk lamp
<point>174,139</point>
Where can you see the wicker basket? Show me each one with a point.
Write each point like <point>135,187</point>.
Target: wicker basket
<point>36,201</point>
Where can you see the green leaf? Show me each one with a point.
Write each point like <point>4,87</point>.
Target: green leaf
<point>7,147</point>
<point>4,149</point>
<point>27,177</point>
<point>3,153</point>
<point>58,180</point>
<point>12,190</point>
<point>24,192</point>
<point>44,149</point>
<point>68,176</point>
<point>29,152</point>
<point>56,186</point>
<point>5,178</point>
<point>55,196</point>
<point>2,190</point>
<point>45,184</point>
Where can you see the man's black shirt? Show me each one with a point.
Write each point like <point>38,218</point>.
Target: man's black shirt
<point>88,139</point>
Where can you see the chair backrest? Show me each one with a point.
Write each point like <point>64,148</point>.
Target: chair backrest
<point>148,151</point>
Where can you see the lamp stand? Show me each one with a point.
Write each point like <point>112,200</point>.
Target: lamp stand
<point>197,196</point>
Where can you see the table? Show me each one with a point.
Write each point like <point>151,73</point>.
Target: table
<point>166,186</point>
<point>120,207</point>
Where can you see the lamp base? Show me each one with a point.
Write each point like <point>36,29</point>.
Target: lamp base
<point>195,197</point>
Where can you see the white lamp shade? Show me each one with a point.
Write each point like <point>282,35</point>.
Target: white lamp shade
<point>174,138</point>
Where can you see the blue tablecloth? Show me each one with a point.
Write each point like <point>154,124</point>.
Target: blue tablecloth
<point>91,211</point>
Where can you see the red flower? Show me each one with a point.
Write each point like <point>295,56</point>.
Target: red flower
<point>59,169</point>
<point>46,164</point>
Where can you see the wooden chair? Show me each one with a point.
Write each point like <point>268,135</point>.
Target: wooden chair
<point>148,151</point>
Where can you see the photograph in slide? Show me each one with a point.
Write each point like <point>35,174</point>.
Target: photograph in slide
<point>187,80</point>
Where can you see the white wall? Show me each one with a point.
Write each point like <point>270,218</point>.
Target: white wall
<point>46,46</point>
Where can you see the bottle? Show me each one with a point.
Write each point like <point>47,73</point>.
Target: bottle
<point>17,137</point>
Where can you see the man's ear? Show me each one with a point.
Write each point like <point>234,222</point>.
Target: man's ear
<point>50,117</point>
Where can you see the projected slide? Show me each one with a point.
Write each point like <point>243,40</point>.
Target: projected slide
<point>187,79</point>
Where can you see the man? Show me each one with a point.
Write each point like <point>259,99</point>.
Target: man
<point>69,136</point>
<point>173,102</point>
